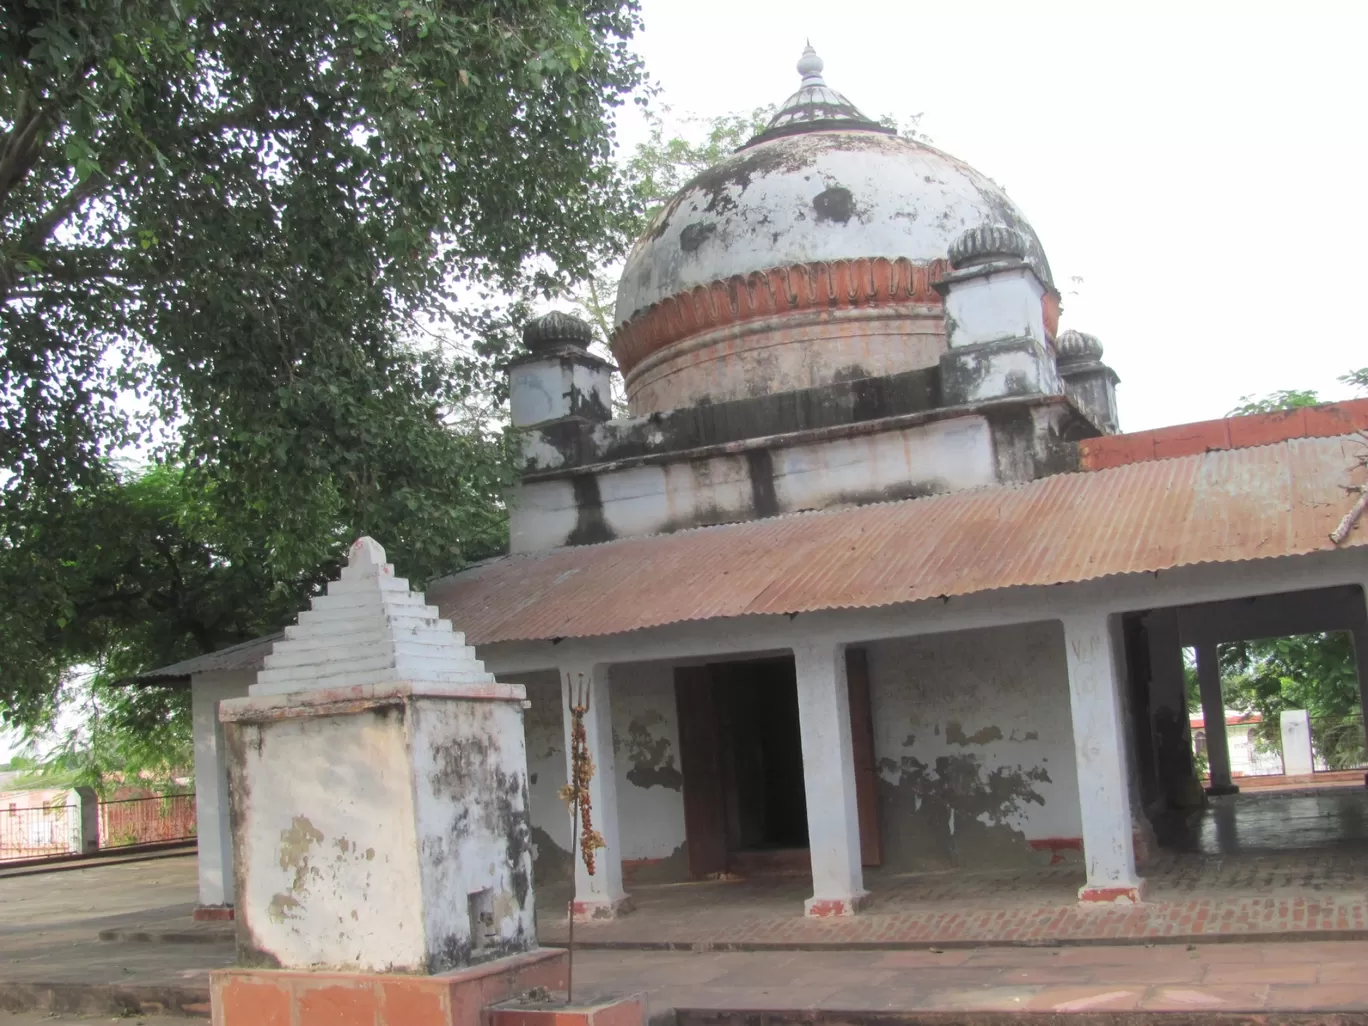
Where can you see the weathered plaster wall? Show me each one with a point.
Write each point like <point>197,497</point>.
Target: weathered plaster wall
<point>385,835</point>
<point>650,785</point>
<point>923,459</point>
<point>974,747</point>
<point>325,851</point>
<point>546,775</point>
<point>213,836</point>
<point>649,782</point>
<point>781,354</point>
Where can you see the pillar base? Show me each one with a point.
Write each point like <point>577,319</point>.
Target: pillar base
<point>1123,894</point>
<point>253,997</point>
<point>830,908</point>
<point>212,914</point>
<point>1216,790</point>
<point>625,1011</point>
<point>599,910</point>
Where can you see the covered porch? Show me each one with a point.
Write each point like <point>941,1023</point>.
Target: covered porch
<point>1013,643</point>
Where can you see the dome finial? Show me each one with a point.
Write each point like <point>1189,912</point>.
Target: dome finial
<point>810,66</point>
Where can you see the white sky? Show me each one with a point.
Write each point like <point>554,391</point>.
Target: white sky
<point>1197,164</point>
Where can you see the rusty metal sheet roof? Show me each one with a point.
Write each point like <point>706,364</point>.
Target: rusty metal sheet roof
<point>1222,506</point>
<point>246,655</point>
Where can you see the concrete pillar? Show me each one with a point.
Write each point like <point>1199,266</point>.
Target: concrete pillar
<point>1298,760</point>
<point>1360,636</point>
<point>1100,752</point>
<point>1169,723</point>
<point>1213,718</point>
<point>83,820</point>
<point>829,779</point>
<point>212,834</point>
<point>600,896</point>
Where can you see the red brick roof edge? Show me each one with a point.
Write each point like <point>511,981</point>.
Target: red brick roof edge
<point>1324,421</point>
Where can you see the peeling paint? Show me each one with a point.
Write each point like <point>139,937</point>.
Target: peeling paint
<point>954,733</point>
<point>651,758</point>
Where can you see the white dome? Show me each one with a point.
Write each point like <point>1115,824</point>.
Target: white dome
<point>814,195</point>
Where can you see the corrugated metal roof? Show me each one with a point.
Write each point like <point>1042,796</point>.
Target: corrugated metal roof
<point>1223,506</point>
<point>246,655</point>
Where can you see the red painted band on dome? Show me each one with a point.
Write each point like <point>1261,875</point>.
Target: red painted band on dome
<point>817,285</point>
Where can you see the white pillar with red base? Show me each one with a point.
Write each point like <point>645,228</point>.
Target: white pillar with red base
<point>600,896</point>
<point>1100,752</point>
<point>829,781</point>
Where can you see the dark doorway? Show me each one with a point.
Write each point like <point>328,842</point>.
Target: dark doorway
<point>745,804</point>
<point>762,755</point>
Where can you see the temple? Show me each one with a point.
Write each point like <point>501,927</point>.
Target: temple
<point>866,580</point>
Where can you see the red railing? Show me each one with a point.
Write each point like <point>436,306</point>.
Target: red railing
<point>54,830</point>
<point>128,821</point>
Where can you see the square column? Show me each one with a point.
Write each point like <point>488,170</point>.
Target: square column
<point>1360,636</point>
<point>829,780</point>
<point>1100,753</point>
<point>212,835</point>
<point>1169,721</point>
<point>1213,720</point>
<point>600,896</point>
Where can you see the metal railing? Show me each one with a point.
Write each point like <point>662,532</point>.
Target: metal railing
<point>1337,743</point>
<point>55,829</point>
<point>37,832</point>
<point>125,822</point>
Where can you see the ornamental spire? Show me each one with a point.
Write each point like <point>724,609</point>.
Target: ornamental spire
<point>816,106</point>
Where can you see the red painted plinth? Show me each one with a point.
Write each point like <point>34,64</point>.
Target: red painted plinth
<point>588,911</point>
<point>284,997</point>
<point>830,908</point>
<point>627,1011</point>
<point>212,914</point>
<point>1132,895</point>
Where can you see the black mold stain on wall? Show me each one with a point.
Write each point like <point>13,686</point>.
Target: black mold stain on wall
<point>590,525</point>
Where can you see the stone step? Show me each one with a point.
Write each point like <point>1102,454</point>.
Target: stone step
<point>430,644</point>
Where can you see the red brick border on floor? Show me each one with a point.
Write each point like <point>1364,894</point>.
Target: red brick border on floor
<point>1204,920</point>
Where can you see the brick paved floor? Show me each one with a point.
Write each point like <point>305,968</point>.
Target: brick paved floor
<point>48,927</point>
<point>1268,865</point>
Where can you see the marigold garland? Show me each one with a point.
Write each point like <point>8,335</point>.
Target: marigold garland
<point>576,793</point>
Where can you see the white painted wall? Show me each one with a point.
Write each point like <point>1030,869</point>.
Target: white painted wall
<point>212,832</point>
<point>972,733</point>
<point>327,848</point>
<point>542,390</point>
<point>995,307</point>
<point>646,738</point>
<point>366,822</point>
<point>941,456</point>
<point>543,722</point>
<point>649,785</point>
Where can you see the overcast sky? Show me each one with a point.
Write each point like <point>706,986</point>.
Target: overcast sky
<point>1198,165</point>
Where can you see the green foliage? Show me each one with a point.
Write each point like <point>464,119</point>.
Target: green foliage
<point>1357,379</point>
<point>1315,672</point>
<point>230,231</point>
<point>1282,400</point>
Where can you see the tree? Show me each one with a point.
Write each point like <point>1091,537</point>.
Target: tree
<point>1315,672</point>
<point>1274,401</point>
<point>228,231</point>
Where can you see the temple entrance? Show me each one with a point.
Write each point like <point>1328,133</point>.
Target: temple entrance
<point>745,804</point>
<point>761,756</point>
